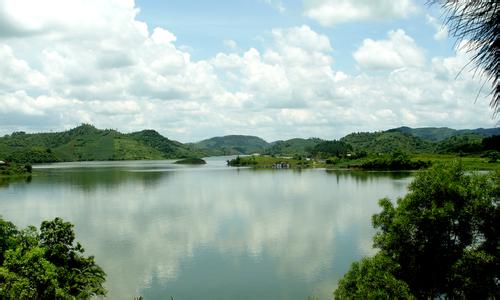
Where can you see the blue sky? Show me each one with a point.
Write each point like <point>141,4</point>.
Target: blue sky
<point>196,69</point>
<point>204,25</point>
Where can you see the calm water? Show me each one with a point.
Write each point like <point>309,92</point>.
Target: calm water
<point>209,232</point>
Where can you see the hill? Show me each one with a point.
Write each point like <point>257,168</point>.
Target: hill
<point>293,147</point>
<point>231,145</point>
<point>87,143</point>
<point>387,142</point>
<point>437,134</point>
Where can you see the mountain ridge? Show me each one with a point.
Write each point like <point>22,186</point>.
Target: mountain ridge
<point>86,142</point>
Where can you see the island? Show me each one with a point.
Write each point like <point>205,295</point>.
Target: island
<point>191,161</point>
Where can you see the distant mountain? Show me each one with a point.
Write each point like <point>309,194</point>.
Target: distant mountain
<point>437,134</point>
<point>387,142</point>
<point>231,145</point>
<point>293,147</point>
<point>86,143</point>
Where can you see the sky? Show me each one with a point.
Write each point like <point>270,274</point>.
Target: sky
<point>196,69</point>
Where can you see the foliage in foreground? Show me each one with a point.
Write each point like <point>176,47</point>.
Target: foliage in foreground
<point>46,264</point>
<point>441,240</point>
<point>373,278</point>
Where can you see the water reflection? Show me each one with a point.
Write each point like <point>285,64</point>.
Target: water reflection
<point>216,232</point>
<point>92,179</point>
<point>6,181</point>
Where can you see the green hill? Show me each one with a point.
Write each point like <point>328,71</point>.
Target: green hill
<point>387,142</point>
<point>293,147</point>
<point>437,134</point>
<point>231,145</point>
<point>86,143</point>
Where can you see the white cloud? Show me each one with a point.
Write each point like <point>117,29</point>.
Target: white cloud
<point>230,44</point>
<point>398,51</point>
<point>441,29</point>
<point>17,72</point>
<point>331,12</point>
<point>276,4</point>
<point>114,72</point>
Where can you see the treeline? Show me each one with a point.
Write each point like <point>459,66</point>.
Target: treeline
<point>394,161</point>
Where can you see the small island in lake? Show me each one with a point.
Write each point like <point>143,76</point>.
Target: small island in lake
<point>191,161</point>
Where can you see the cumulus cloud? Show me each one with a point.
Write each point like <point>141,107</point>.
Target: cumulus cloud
<point>331,12</point>
<point>397,51</point>
<point>115,72</point>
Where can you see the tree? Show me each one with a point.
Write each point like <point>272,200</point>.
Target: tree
<point>477,22</point>
<point>443,234</point>
<point>372,278</point>
<point>46,265</point>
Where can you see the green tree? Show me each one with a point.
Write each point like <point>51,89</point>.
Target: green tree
<point>443,234</point>
<point>8,231</point>
<point>47,265</point>
<point>372,278</point>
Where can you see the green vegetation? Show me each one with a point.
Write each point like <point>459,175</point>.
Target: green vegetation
<point>469,162</point>
<point>130,149</point>
<point>272,162</point>
<point>46,264</point>
<point>166,148</point>
<point>231,145</point>
<point>461,144</point>
<point>15,170</point>
<point>87,143</point>
<point>364,150</point>
<point>373,278</point>
<point>439,241</point>
<point>395,161</point>
<point>436,134</point>
<point>327,149</point>
<point>387,142</point>
<point>302,147</point>
<point>191,161</point>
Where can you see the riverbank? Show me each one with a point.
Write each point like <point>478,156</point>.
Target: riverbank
<point>387,163</point>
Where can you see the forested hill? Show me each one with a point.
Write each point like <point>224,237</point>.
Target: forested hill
<point>231,145</point>
<point>293,147</point>
<point>86,143</point>
<point>437,134</point>
<point>387,142</point>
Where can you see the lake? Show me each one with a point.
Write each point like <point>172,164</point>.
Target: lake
<point>209,232</point>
